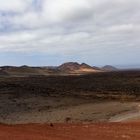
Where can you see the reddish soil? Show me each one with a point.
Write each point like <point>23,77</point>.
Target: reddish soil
<point>99,131</point>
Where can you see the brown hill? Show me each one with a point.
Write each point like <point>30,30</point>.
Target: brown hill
<point>70,66</point>
<point>109,68</point>
<point>74,67</point>
<point>84,65</point>
<point>66,68</point>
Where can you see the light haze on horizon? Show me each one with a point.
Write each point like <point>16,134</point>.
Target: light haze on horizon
<point>51,32</point>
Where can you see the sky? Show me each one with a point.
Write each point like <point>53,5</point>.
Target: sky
<point>51,32</point>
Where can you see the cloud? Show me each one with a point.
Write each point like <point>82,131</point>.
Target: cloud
<point>59,10</point>
<point>14,5</point>
<point>68,27</point>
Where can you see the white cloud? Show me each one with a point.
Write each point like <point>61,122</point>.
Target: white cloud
<point>13,5</point>
<point>59,10</point>
<point>69,26</point>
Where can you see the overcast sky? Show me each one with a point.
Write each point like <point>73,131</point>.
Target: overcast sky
<point>50,32</point>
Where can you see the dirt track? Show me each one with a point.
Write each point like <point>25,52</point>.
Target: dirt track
<point>100,131</point>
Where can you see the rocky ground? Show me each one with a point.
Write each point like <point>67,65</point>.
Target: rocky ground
<point>98,97</point>
<point>67,107</point>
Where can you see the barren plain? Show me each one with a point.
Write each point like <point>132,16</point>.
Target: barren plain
<point>103,106</point>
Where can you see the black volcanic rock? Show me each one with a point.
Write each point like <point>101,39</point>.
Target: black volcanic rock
<point>3,73</point>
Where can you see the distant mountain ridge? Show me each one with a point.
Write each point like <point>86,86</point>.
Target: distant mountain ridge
<point>74,67</point>
<point>64,69</point>
<point>109,68</point>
